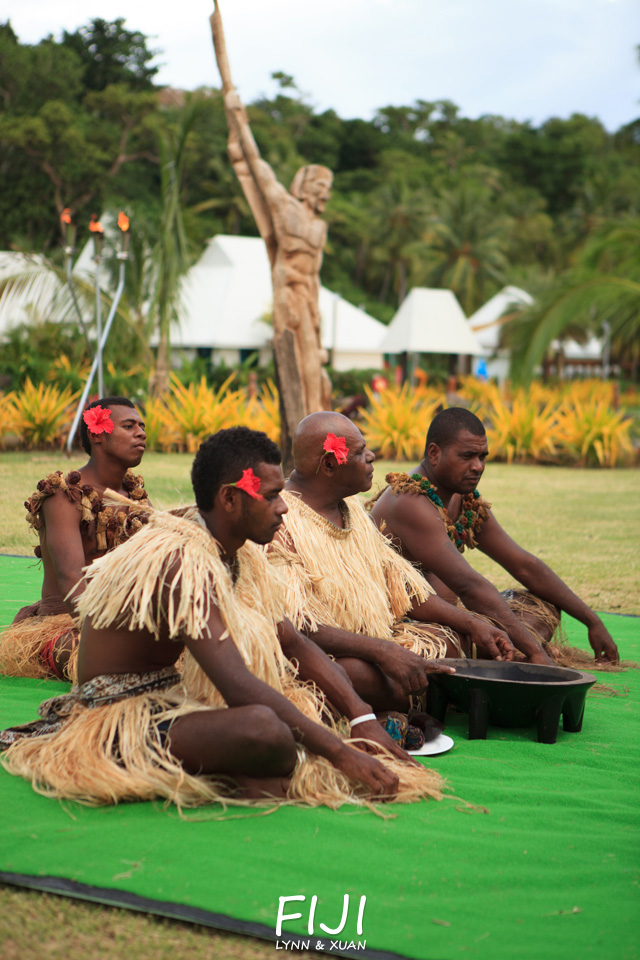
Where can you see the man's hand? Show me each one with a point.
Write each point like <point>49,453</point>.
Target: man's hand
<point>541,658</point>
<point>375,732</point>
<point>409,670</point>
<point>491,640</point>
<point>362,768</point>
<point>604,648</point>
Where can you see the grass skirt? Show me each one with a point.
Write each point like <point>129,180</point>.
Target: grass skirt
<point>23,644</point>
<point>547,629</point>
<point>101,744</point>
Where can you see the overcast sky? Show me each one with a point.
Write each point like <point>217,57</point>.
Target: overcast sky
<point>524,59</point>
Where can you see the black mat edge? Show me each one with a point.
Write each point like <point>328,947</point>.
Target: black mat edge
<point>63,887</point>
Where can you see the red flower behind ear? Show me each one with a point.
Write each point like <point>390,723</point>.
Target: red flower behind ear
<point>250,484</point>
<point>337,446</point>
<point>98,420</point>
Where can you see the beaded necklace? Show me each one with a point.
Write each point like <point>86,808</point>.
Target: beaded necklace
<point>462,532</point>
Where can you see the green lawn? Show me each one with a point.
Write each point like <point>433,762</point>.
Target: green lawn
<point>585,524</point>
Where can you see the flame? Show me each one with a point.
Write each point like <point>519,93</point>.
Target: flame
<point>94,224</point>
<point>123,221</point>
<point>65,216</point>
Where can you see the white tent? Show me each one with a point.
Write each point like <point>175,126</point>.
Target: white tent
<point>430,321</point>
<point>486,323</point>
<point>228,293</point>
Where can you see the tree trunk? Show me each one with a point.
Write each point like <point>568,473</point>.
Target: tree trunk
<point>160,379</point>
<point>291,395</point>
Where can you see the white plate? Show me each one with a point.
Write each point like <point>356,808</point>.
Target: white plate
<point>431,748</point>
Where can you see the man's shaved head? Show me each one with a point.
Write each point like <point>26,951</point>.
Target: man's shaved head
<point>308,440</point>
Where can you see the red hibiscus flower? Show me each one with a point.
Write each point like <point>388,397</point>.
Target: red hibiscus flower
<point>337,446</point>
<point>250,484</point>
<point>98,420</point>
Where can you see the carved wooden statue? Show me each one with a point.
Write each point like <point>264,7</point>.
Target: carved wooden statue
<point>291,226</point>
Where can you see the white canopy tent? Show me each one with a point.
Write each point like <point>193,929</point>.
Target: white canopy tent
<point>430,321</point>
<point>486,322</point>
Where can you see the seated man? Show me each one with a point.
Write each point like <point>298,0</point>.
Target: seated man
<point>130,730</point>
<point>349,590</point>
<point>75,527</point>
<point>436,512</point>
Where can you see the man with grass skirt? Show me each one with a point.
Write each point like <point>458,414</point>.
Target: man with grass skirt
<point>75,526</point>
<point>260,713</point>
<point>436,512</point>
<point>348,588</point>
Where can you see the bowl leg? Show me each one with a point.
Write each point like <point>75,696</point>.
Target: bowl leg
<point>478,714</point>
<point>436,701</point>
<point>573,712</point>
<point>547,719</point>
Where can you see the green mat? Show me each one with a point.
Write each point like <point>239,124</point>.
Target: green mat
<point>549,871</point>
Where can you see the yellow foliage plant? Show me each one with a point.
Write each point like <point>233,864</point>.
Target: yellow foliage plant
<point>521,430</point>
<point>592,434</point>
<point>589,390</point>
<point>396,421</point>
<point>7,417</point>
<point>42,413</point>
<point>262,412</point>
<point>161,435</point>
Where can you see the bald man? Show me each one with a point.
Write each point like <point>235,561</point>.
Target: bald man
<point>348,588</point>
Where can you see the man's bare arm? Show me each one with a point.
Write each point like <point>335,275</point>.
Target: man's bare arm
<point>314,664</point>
<point>486,636</point>
<point>408,669</point>
<point>540,579</point>
<point>64,545</point>
<point>418,526</point>
<point>226,669</point>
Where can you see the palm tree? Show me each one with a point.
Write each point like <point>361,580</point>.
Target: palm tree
<point>602,290</point>
<point>464,246</point>
<point>399,216</point>
<point>173,253</point>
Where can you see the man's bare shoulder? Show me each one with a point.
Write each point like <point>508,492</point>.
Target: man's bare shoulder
<point>406,506</point>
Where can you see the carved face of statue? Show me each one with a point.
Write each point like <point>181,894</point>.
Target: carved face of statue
<point>317,192</point>
<point>312,185</point>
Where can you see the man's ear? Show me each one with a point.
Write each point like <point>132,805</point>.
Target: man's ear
<point>227,497</point>
<point>433,454</point>
<point>96,439</point>
<point>327,464</point>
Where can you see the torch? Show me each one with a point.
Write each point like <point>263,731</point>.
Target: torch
<point>68,238</point>
<point>97,233</point>
<point>123,256</point>
<point>123,223</point>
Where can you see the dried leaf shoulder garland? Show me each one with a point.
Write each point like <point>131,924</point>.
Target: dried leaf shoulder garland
<point>462,532</point>
<point>109,525</point>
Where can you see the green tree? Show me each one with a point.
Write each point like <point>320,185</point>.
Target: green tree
<point>110,54</point>
<point>399,218</point>
<point>173,253</point>
<point>602,290</point>
<point>60,145</point>
<point>464,246</point>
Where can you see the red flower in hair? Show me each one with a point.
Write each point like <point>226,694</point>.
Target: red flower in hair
<point>98,420</point>
<point>250,484</point>
<point>337,446</point>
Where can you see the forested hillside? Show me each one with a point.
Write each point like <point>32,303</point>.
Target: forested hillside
<point>422,195</point>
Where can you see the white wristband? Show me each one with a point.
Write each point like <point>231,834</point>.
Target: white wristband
<point>363,719</point>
